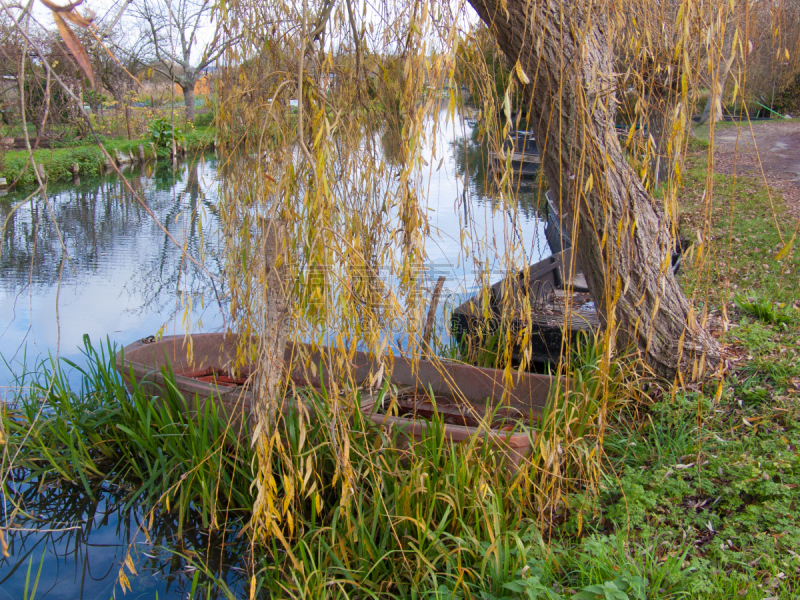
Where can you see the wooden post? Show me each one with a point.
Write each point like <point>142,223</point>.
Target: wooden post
<point>272,339</point>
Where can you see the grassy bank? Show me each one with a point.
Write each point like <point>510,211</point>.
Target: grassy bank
<point>58,161</point>
<point>431,521</point>
<point>698,496</point>
<point>708,474</point>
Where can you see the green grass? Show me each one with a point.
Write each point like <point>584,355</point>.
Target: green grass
<point>103,433</point>
<point>715,479</point>
<point>58,161</point>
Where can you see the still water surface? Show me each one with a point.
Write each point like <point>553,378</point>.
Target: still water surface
<point>122,278</point>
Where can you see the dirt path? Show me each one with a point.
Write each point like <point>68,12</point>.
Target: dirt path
<point>778,147</point>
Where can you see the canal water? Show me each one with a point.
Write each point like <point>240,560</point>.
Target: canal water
<point>91,260</point>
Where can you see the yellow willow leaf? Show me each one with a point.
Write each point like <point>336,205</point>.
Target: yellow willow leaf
<point>129,564</point>
<point>523,77</point>
<point>123,581</point>
<point>318,136</point>
<point>786,52</point>
<point>308,473</point>
<point>589,182</point>
<point>290,522</point>
<point>656,306</point>
<point>784,252</point>
<point>252,587</point>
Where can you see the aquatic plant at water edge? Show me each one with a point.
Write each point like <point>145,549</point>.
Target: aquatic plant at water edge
<point>101,432</point>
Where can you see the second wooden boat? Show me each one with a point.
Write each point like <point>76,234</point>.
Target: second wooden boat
<point>550,297</point>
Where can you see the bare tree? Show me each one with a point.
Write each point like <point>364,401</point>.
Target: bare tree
<point>118,59</point>
<point>176,30</point>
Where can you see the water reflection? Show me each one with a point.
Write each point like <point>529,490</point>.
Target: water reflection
<point>471,155</point>
<point>117,272</point>
<point>81,541</point>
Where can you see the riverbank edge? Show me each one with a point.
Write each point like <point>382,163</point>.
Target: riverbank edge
<point>58,162</point>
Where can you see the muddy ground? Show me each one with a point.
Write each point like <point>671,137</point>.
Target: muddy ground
<point>767,150</point>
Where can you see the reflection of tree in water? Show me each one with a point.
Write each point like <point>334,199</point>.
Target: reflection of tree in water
<point>104,227</point>
<point>471,155</point>
<point>89,218</point>
<point>189,212</point>
<point>97,531</point>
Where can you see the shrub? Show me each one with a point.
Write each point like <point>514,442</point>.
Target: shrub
<point>162,132</point>
<point>762,309</point>
<point>204,120</point>
<point>787,101</point>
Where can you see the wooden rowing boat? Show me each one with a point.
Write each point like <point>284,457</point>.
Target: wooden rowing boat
<point>556,231</point>
<point>472,402</point>
<point>551,296</point>
<point>523,164</point>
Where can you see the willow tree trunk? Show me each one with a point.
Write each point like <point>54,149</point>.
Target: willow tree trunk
<point>188,99</point>
<point>624,244</point>
<point>272,339</point>
<point>269,363</point>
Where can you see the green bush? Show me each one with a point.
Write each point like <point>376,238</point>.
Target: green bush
<point>162,132</point>
<point>787,101</point>
<point>204,120</point>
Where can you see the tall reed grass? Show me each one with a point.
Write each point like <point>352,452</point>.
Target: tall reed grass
<point>429,519</point>
<point>103,432</point>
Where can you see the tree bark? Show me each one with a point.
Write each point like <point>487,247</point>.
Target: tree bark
<point>272,340</point>
<point>188,98</point>
<point>624,243</point>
